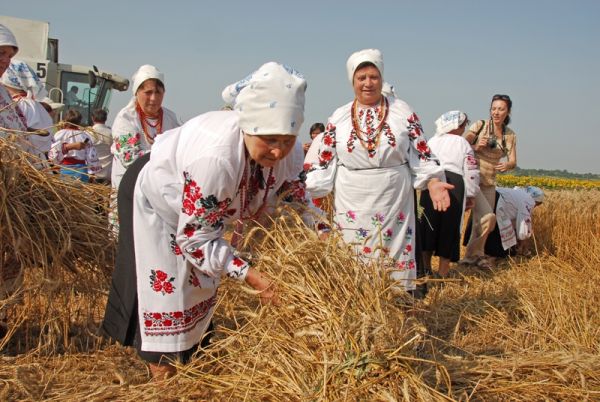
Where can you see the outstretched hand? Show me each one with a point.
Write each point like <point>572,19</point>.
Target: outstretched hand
<point>264,286</point>
<point>438,191</point>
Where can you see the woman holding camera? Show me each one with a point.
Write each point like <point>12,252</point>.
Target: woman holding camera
<point>495,147</point>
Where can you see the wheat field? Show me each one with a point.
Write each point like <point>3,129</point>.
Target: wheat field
<point>527,330</point>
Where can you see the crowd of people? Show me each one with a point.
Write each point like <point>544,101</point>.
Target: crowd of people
<point>177,186</point>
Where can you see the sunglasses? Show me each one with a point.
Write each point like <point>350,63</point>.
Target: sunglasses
<point>501,97</point>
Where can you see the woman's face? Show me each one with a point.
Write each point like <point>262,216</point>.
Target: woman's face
<point>6,53</point>
<point>367,85</point>
<point>267,150</point>
<point>499,111</point>
<point>150,96</point>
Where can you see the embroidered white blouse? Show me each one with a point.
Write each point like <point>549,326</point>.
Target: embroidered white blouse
<point>186,194</point>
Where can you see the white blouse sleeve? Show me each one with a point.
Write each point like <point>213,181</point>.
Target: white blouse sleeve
<point>321,175</point>
<point>127,141</point>
<point>524,226</point>
<point>422,162</point>
<point>57,151</point>
<point>209,189</point>
<point>470,171</point>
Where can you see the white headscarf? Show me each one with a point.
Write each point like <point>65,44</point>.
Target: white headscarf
<point>7,38</point>
<point>388,90</point>
<point>269,101</point>
<point>536,193</point>
<point>20,76</point>
<point>366,55</point>
<point>449,121</point>
<point>145,72</point>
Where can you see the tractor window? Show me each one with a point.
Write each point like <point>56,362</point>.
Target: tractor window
<point>77,94</point>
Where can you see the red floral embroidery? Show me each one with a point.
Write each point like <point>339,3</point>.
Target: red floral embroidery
<point>134,140</point>
<point>188,207</point>
<point>198,253</point>
<point>160,282</point>
<point>325,156</point>
<point>194,280</point>
<point>209,211</point>
<point>422,147</point>
<point>177,322</point>
<point>367,250</point>
<point>238,262</point>
<point>175,249</point>
<point>189,230</point>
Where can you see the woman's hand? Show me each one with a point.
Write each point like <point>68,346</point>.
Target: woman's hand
<point>503,167</point>
<point>262,284</point>
<point>482,142</point>
<point>438,191</point>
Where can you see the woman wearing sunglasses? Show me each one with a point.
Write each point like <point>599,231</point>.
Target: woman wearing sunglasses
<point>495,147</point>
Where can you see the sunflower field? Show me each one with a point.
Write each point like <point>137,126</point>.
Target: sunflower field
<point>547,182</point>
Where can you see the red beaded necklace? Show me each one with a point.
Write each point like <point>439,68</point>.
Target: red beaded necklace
<point>372,141</point>
<point>146,123</point>
<point>246,196</point>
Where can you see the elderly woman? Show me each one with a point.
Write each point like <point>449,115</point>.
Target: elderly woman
<point>371,155</point>
<point>218,168</point>
<point>136,127</point>
<point>11,118</point>
<point>16,80</point>
<point>495,147</point>
<point>441,230</point>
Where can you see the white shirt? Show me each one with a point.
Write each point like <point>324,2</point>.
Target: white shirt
<point>514,208</point>
<point>456,155</point>
<point>312,155</point>
<point>39,119</point>
<point>102,138</point>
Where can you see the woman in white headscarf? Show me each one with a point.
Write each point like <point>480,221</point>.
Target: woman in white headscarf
<point>18,82</point>
<point>371,155</point>
<point>11,118</point>
<point>136,127</point>
<point>11,121</point>
<point>441,230</point>
<point>217,168</point>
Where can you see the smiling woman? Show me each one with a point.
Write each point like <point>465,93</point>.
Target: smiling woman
<point>372,152</point>
<point>495,147</point>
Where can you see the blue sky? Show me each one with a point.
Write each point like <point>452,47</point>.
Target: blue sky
<point>440,55</point>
